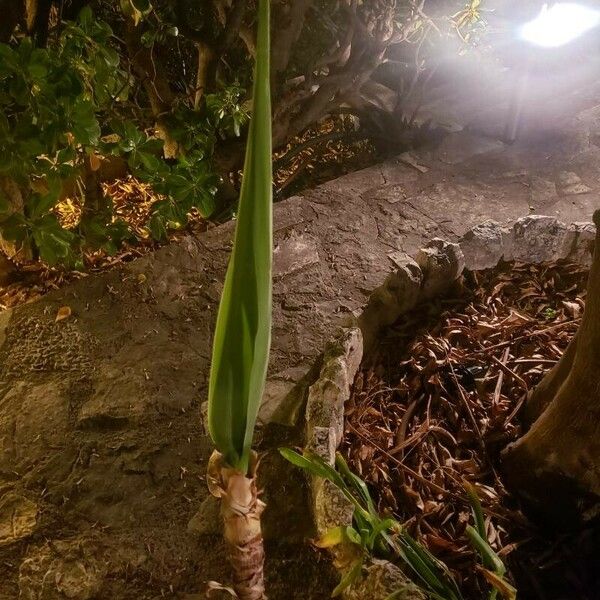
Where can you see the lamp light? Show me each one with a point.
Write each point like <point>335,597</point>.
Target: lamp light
<point>559,24</point>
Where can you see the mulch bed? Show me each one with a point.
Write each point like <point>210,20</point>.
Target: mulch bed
<point>439,402</point>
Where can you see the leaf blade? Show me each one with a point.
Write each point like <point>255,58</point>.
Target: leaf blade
<point>243,331</point>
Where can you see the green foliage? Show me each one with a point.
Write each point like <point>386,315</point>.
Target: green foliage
<point>188,183</point>
<point>50,101</point>
<point>494,568</point>
<point>372,534</point>
<point>62,104</point>
<point>226,112</point>
<point>243,330</point>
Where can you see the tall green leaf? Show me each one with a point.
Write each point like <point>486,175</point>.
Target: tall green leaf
<point>243,331</point>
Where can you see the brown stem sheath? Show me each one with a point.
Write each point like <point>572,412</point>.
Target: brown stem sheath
<point>241,510</point>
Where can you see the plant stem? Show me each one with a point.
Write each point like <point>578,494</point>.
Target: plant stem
<point>241,510</point>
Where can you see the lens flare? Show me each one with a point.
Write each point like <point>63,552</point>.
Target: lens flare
<point>559,24</point>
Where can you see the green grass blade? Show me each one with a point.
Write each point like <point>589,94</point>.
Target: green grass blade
<point>434,572</point>
<point>477,509</point>
<point>359,486</point>
<point>315,465</point>
<point>243,330</point>
<point>490,559</point>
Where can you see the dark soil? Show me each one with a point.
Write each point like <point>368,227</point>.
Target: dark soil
<point>437,403</point>
<point>129,535</point>
<point>115,477</point>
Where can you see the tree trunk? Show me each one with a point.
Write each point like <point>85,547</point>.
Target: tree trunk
<point>556,464</point>
<point>241,510</point>
<point>542,395</point>
<point>155,82</point>
<point>205,58</point>
<point>38,21</point>
<point>95,203</point>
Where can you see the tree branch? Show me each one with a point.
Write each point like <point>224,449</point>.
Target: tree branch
<point>290,21</point>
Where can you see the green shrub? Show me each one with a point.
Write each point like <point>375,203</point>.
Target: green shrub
<point>68,104</point>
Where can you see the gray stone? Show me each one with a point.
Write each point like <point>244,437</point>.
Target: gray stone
<point>535,239</point>
<point>380,580</point>
<point>294,253</point>
<point>325,407</point>
<point>570,184</point>
<point>405,282</point>
<point>350,343</point>
<point>325,423</point>
<point>442,263</point>
<point>207,521</point>
<point>327,396</point>
<point>283,398</point>
<point>579,243</point>
<point>482,246</point>
<point>18,518</point>
<point>398,294</point>
<point>331,507</point>
<point>322,442</point>
<point>274,396</point>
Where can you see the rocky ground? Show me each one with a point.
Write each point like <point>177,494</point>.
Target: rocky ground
<point>103,452</point>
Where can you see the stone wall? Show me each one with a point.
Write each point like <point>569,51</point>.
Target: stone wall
<point>433,272</point>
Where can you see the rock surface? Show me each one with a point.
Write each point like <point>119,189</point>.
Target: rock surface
<point>331,507</point>
<point>483,246</point>
<point>61,572</point>
<point>398,294</point>
<point>380,580</point>
<point>328,395</point>
<point>579,242</point>
<point>442,262</point>
<point>536,238</point>
<point>208,520</point>
<point>18,518</point>
<point>570,184</point>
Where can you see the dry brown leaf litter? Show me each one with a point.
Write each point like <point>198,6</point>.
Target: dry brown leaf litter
<point>132,201</point>
<point>442,400</point>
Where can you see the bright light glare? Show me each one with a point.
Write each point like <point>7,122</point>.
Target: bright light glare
<point>560,24</point>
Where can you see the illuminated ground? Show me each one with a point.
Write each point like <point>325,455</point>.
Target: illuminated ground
<point>103,453</point>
